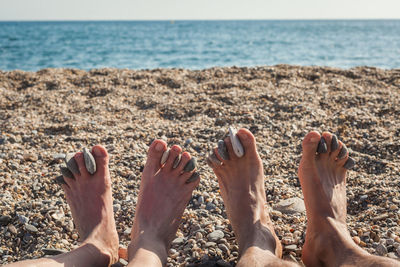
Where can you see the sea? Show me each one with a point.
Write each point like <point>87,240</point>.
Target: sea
<point>32,46</point>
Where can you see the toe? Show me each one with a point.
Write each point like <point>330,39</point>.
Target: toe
<point>154,155</point>
<point>334,145</point>
<point>184,160</point>
<point>328,139</point>
<point>248,141</point>
<point>101,157</point>
<point>310,144</point>
<point>229,148</point>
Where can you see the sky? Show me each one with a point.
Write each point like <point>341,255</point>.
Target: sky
<point>197,9</point>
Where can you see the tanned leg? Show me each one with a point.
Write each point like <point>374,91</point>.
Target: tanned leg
<point>163,197</point>
<point>323,181</point>
<point>90,200</point>
<point>241,182</point>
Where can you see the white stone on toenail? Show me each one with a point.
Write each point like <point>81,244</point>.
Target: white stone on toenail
<point>164,156</point>
<point>236,144</point>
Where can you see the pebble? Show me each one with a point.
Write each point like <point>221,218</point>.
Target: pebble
<point>191,165</point>
<point>164,156</point>
<point>222,150</point>
<point>356,240</point>
<point>177,161</point>
<point>291,247</point>
<point>178,241</point>
<point>30,157</point>
<point>12,229</point>
<point>53,251</point>
<point>31,228</point>
<point>290,206</point>
<point>381,250</point>
<point>193,177</point>
<point>71,163</point>
<point>23,219</point>
<point>322,146</point>
<point>5,219</point>
<point>66,172</point>
<point>90,163</point>
<point>215,236</point>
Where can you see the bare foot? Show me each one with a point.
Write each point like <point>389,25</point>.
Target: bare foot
<point>90,200</point>
<point>241,182</point>
<point>323,181</point>
<point>162,199</point>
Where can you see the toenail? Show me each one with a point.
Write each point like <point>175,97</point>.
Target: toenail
<point>159,147</point>
<point>314,139</point>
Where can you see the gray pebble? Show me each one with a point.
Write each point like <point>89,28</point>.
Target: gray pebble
<point>60,179</point>
<point>71,163</point>
<point>215,236</point>
<point>66,172</point>
<point>343,152</point>
<point>191,165</point>
<point>381,250</point>
<point>222,150</point>
<point>53,251</point>
<point>164,156</point>
<point>334,143</point>
<point>177,161</point>
<point>178,241</point>
<point>193,178</point>
<point>90,163</point>
<point>31,228</point>
<point>349,163</point>
<point>213,158</point>
<point>322,147</point>
<point>290,206</point>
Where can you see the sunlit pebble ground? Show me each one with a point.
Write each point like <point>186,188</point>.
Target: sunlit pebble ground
<point>57,111</point>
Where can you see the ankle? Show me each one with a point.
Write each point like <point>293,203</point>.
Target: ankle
<point>260,236</point>
<point>142,245</point>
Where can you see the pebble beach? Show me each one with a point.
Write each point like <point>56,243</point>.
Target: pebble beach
<point>46,114</point>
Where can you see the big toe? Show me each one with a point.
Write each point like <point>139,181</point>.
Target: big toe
<point>101,157</point>
<point>247,139</point>
<point>154,155</point>
<point>310,144</point>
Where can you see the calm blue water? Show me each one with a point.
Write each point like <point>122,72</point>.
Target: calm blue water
<point>198,44</point>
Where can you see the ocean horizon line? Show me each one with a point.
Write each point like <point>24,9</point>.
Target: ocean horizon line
<point>204,20</point>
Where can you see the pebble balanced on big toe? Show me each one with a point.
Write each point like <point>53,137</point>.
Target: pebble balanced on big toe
<point>90,163</point>
<point>236,145</point>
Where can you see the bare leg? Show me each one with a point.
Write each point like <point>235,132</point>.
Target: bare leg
<point>241,181</point>
<point>162,199</point>
<point>90,200</point>
<point>323,181</point>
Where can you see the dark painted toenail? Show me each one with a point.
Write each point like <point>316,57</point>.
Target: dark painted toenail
<point>193,178</point>
<point>60,179</point>
<point>334,143</point>
<point>222,150</point>
<point>71,163</point>
<point>349,163</point>
<point>213,158</point>
<point>322,147</point>
<point>190,165</point>
<point>90,163</point>
<point>343,152</point>
<point>164,156</point>
<point>176,161</point>
<point>66,172</point>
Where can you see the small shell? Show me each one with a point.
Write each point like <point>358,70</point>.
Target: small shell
<point>191,165</point>
<point>193,178</point>
<point>236,145</point>
<point>66,172</point>
<point>71,163</point>
<point>90,163</point>
<point>222,151</point>
<point>176,161</point>
<point>164,156</point>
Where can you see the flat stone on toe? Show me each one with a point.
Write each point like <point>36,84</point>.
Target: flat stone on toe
<point>222,150</point>
<point>236,144</point>
<point>191,165</point>
<point>349,163</point>
<point>90,163</point>
<point>66,172</point>
<point>60,179</point>
<point>71,163</point>
<point>176,161</point>
<point>322,147</point>
<point>334,143</point>
<point>193,178</point>
<point>213,158</point>
<point>343,152</point>
<point>164,156</point>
